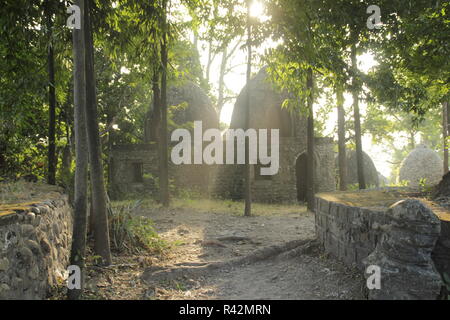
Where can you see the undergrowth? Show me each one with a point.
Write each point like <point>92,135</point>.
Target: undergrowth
<point>133,233</point>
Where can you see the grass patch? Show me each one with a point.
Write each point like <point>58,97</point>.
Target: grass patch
<point>223,206</point>
<point>237,207</point>
<point>21,191</point>
<point>133,233</point>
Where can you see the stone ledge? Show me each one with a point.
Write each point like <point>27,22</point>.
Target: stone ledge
<point>35,238</point>
<point>351,225</point>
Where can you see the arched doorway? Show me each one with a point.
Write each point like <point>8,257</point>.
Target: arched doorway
<point>300,174</point>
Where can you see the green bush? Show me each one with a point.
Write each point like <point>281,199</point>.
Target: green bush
<point>132,233</point>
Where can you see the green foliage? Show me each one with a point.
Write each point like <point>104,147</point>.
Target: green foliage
<point>132,233</point>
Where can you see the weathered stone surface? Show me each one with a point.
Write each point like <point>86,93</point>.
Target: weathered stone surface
<point>371,175</point>
<point>404,254</point>
<point>226,181</point>
<point>27,267</point>
<point>266,109</point>
<point>408,236</point>
<point>421,164</point>
<point>4,264</point>
<point>198,106</point>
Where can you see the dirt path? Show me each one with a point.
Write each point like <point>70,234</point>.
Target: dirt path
<point>205,237</point>
<point>305,276</point>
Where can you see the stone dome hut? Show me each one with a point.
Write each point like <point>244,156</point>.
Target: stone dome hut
<point>134,167</point>
<point>370,171</point>
<point>188,103</point>
<point>266,112</point>
<point>421,163</point>
<point>199,106</point>
<point>265,109</point>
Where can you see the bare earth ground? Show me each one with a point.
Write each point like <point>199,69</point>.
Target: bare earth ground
<point>213,232</point>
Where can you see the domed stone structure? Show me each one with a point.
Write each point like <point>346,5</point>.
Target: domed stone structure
<point>198,105</point>
<point>370,171</point>
<point>265,109</point>
<point>266,112</point>
<point>134,167</point>
<point>422,164</point>
<point>188,103</point>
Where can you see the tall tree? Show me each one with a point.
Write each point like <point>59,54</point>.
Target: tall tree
<point>310,179</point>
<point>163,143</point>
<point>357,119</point>
<point>342,157</point>
<point>247,167</point>
<point>445,134</point>
<point>99,200</point>
<point>78,249</point>
<point>51,175</point>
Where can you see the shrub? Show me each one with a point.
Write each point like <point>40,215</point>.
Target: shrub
<point>132,233</point>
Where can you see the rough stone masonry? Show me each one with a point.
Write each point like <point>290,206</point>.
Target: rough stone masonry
<point>34,248</point>
<point>404,254</point>
<point>406,239</point>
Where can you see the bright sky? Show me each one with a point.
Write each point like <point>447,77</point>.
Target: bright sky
<point>235,81</point>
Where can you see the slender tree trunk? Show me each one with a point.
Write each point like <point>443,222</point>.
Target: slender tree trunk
<point>223,65</point>
<point>247,167</point>
<point>310,173</point>
<point>163,145</point>
<point>51,178</point>
<point>342,157</point>
<point>156,116</point>
<point>445,134</point>
<point>358,142</point>
<point>210,58</point>
<point>78,249</point>
<point>448,116</point>
<point>99,203</point>
<point>153,116</point>
<point>412,140</point>
<point>195,42</point>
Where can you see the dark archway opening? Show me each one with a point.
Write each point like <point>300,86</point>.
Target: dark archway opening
<point>300,174</point>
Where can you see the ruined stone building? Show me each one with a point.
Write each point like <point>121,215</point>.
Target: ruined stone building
<point>371,175</point>
<point>422,165</point>
<point>135,167</point>
<point>289,184</point>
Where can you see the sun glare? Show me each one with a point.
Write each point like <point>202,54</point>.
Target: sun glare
<point>256,9</point>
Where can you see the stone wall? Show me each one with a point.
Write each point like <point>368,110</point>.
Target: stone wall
<point>224,181</point>
<point>126,159</point>
<point>281,187</point>
<point>35,241</point>
<point>358,235</point>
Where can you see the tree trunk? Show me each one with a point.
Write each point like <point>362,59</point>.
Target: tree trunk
<point>51,178</point>
<point>223,65</point>
<point>247,177</point>
<point>163,144</point>
<point>99,204</point>
<point>310,172</point>
<point>448,116</point>
<point>358,142</point>
<point>445,135</point>
<point>209,62</point>
<point>156,114</point>
<point>342,157</point>
<point>153,116</point>
<point>78,249</point>
<point>412,140</point>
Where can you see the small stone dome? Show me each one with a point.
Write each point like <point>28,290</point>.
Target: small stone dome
<point>370,171</point>
<point>421,163</point>
<point>266,111</point>
<point>199,106</point>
